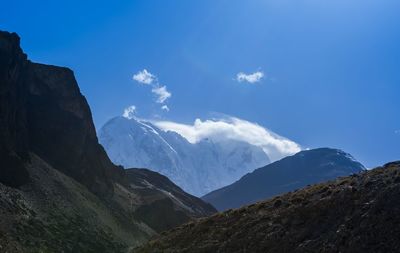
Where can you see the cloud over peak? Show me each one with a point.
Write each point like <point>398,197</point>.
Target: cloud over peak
<point>129,112</point>
<point>250,78</point>
<point>275,146</point>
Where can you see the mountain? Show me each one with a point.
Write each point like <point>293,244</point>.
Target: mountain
<point>59,191</point>
<point>290,173</point>
<point>358,213</point>
<point>164,204</point>
<point>198,168</point>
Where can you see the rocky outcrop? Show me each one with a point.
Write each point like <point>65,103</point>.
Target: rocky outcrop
<point>58,188</point>
<point>358,213</point>
<point>43,111</point>
<point>13,131</point>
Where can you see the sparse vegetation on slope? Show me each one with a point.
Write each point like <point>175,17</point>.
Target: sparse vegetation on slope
<point>358,213</point>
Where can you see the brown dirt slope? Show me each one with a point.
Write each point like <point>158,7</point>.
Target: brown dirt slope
<point>359,213</point>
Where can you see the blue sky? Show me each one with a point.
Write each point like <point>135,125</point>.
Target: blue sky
<point>332,68</point>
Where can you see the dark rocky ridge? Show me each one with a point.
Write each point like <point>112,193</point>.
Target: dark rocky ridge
<point>58,188</point>
<point>158,213</point>
<point>288,174</point>
<point>13,133</point>
<point>358,213</point>
<point>43,111</point>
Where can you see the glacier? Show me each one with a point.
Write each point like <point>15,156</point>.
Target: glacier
<point>198,168</point>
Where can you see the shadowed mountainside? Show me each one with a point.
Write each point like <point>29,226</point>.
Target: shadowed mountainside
<point>358,213</point>
<point>288,174</point>
<point>59,191</point>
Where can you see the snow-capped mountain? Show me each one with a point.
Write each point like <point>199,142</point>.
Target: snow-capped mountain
<point>198,168</point>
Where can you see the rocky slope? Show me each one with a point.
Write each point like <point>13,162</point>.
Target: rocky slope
<point>290,173</point>
<point>59,191</point>
<point>158,211</point>
<point>358,213</point>
<point>196,167</point>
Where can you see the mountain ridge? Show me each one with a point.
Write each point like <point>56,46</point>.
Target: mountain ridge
<point>357,213</point>
<point>290,173</point>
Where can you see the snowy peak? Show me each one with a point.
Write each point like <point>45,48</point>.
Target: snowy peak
<point>196,167</point>
<point>133,143</point>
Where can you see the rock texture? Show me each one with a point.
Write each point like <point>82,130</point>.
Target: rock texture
<point>59,191</point>
<point>13,132</point>
<point>358,213</point>
<point>290,173</point>
<point>43,111</point>
<point>159,212</point>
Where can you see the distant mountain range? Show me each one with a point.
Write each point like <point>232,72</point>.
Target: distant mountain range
<point>198,168</point>
<point>358,213</point>
<point>290,173</point>
<point>59,191</point>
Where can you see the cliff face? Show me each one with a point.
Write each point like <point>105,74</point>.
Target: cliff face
<point>43,111</point>
<point>58,111</point>
<point>13,131</point>
<point>59,191</point>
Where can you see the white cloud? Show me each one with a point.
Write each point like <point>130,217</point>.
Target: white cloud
<point>129,112</point>
<point>251,78</point>
<point>275,146</point>
<point>162,94</point>
<point>165,108</point>
<point>144,77</point>
<point>148,78</point>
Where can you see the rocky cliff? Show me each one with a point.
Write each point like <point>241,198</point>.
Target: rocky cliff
<point>59,191</point>
<point>43,111</point>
